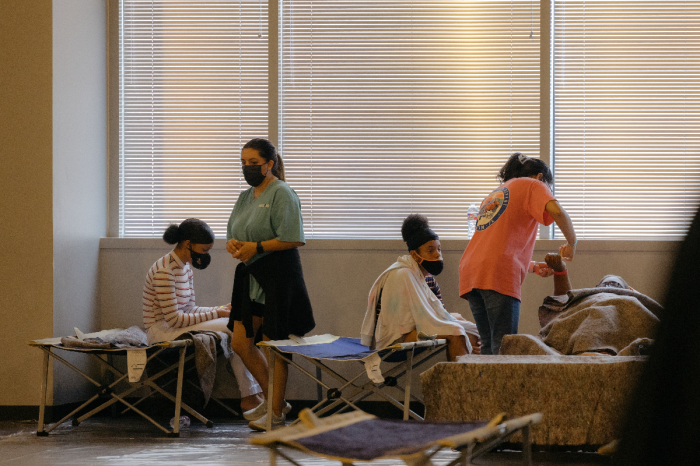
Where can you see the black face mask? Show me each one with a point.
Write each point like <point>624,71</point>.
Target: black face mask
<point>199,260</point>
<point>253,175</point>
<point>433,267</point>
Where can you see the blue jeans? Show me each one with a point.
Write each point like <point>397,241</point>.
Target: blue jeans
<point>496,315</point>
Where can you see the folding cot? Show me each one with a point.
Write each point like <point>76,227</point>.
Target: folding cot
<point>359,436</point>
<point>320,349</point>
<point>107,389</point>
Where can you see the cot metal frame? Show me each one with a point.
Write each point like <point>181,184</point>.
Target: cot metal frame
<point>357,392</point>
<point>108,389</point>
<point>470,445</point>
<point>188,369</point>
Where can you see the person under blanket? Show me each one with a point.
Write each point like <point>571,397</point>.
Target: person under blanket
<point>169,309</point>
<point>405,300</point>
<point>610,319</point>
<point>554,265</point>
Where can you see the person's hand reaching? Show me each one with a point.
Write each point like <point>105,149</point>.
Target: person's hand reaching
<point>567,251</point>
<point>555,262</point>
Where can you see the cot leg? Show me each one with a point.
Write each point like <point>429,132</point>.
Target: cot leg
<point>273,454</point>
<point>407,391</point>
<point>527,446</point>
<point>270,389</point>
<point>178,397</point>
<point>109,379</point>
<point>467,456</point>
<point>319,388</point>
<point>42,407</point>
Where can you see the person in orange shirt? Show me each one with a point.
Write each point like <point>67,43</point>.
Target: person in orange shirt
<point>496,261</point>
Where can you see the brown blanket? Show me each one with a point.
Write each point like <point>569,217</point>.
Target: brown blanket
<point>597,320</point>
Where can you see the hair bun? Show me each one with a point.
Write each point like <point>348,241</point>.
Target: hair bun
<point>171,235</point>
<point>413,224</point>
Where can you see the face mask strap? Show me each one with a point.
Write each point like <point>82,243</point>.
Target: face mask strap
<point>423,258</point>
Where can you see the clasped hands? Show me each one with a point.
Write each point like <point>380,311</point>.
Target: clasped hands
<point>241,250</point>
<point>223,311</point>
<point>553,263</point>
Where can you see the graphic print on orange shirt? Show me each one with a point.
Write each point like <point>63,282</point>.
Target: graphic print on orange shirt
<point>493,207</point>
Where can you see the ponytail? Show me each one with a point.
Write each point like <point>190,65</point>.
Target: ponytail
<point>193,229</point>
<point>278,168</point>
<point>520,166</point>
<point>171,236</point>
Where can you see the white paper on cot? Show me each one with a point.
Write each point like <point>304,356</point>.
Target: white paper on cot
<point>80,335</point>
<point>372,367</point>
<point>136,363</point>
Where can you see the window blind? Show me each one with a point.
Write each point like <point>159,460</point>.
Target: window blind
<point>397,107</point>
<point>627,116</point>
<point>193,90</point>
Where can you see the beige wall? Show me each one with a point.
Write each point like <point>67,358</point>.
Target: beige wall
<point>26,218</point>
<point>340,273</point>
<point>79,173</point>
<point>52,184</point>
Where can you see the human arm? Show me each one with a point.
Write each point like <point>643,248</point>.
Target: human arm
<point>562,284</point>
<point>563,221</point>
<point>178,313</point>
<point>245,250</point>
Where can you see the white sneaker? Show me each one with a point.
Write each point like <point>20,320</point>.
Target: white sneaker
<point>261,424</point>
<point>260,410</point>
<point>257,412</point>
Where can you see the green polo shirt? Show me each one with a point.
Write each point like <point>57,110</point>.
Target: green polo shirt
<point>276,213</point>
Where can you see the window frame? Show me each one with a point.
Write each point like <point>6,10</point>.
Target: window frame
<point>113,98</point>
<point>547,102</point>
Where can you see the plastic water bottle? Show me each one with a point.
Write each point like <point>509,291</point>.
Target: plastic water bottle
<point>472,217</point>
<point>184,422</point>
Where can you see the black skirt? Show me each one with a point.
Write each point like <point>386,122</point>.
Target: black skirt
<point>287,309</point>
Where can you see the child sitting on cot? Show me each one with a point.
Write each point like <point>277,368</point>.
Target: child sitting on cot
<point>496,261</point>
<point>169,309</point>
<point>405,300</point>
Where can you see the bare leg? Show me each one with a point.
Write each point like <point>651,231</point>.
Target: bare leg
<point>456,346</point>
<point>250,354</point>
<point>411,336</point>
<point>251,401</point>
<point>279,384</point>
<point>256,362</point>
<point>251,393</point>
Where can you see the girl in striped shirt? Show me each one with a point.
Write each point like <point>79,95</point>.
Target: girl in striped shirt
<point>169,309</point>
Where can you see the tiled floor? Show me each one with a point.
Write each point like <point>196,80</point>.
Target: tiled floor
<point>133,441</point>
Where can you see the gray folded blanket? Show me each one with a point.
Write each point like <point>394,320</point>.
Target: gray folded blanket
<point>132,337</point>
<point>205,353</point>
<point>597,320</point>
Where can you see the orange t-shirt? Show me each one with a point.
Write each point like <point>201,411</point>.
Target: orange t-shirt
<point>500,251</point>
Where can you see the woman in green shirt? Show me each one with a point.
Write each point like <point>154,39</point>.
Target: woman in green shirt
<point>264,232</point>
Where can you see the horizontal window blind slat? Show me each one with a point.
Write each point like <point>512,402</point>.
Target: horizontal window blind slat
<point>626,87</point>
<point>399,107</point>
<point>407,106</point>
<point>193,90</point>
